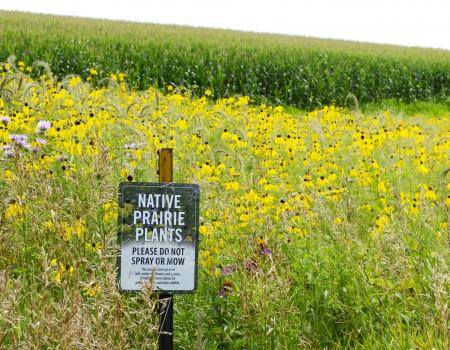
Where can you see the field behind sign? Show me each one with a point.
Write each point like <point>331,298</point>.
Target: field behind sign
<point>304,72</point>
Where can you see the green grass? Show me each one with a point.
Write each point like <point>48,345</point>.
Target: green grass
<point>298,71</point>
<point>425,108</point>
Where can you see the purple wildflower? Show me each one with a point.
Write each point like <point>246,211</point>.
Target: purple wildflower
<point>251,266</point>
<point>5,119</point>
<point>38,145</point>
<point>20,140</point>
<point>17,138</point>
<point>42,126</point>
<point>227,270</point>
<point>41,142</point>
<point>266,251</point>
<point>8,150</point>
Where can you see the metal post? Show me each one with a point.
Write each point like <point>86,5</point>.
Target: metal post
<point>165,329</point>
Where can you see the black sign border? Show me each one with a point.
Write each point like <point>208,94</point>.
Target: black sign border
<point>123,185</point>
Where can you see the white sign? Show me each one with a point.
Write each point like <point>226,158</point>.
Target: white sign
<point>158,232</point>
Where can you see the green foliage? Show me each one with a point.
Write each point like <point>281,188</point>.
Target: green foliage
<point>302,72</point>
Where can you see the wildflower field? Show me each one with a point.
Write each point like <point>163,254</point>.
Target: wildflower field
<point>328,229</point>
<point>279,69</point>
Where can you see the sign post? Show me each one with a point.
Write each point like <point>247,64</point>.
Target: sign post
<point>165,329</point>
<point>158,230</point>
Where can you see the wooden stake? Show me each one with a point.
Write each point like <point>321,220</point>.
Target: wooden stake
<point>165,165</point>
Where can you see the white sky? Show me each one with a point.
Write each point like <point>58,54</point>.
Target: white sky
<point>423,23</point>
